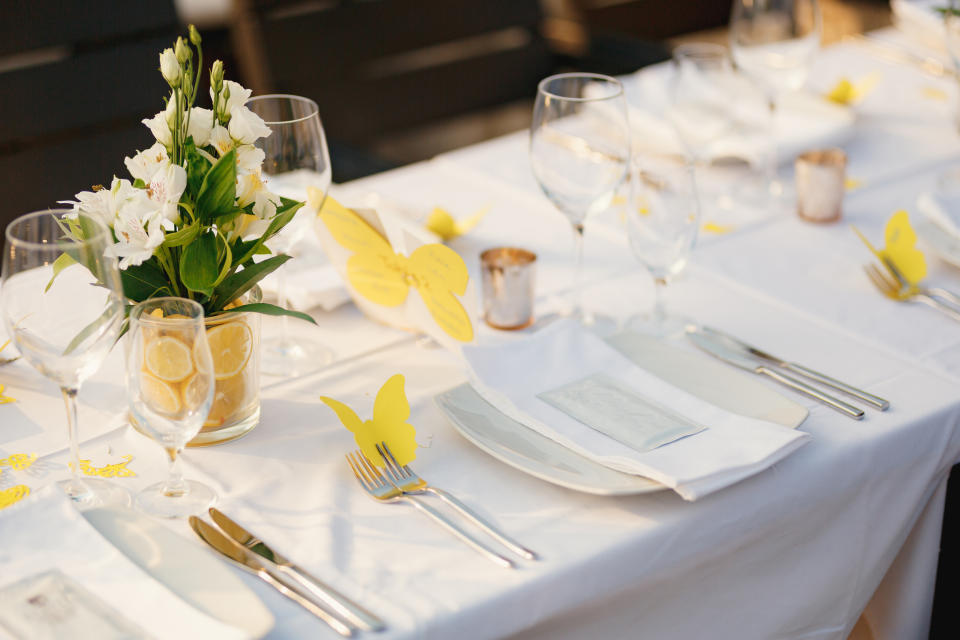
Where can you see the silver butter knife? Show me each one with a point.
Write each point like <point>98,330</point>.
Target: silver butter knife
<point>734,352</point>
<point>253,563</point>
<point>807,372</point>
<point>326,594</point>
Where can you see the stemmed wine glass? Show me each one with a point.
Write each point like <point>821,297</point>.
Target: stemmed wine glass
<point>700,102</point>
<point>296,160</point>
<point>580,151</point>
<point>63,305</point>
<point>662,226</point>
<point>774,42</point>
<point>170,386</point>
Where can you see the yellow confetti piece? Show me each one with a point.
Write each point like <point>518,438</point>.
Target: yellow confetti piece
<point>5,399</point>
<point>852,183</point>
<point>389,424</point>
<point>442,223</point>
<point>384,277</point>
<point>13,495</point>
<point>933,93</point>
<point>900,249</point>
<point>115,470</point>
<point>846,92</point>
<point>18,461</point>
<point>719,229</point>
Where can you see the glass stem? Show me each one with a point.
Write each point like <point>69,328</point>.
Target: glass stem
<point>577,293</point>
<point>659,312</point>
<point>773,184</point>
<point>174,486</point>
<point>76,489</point>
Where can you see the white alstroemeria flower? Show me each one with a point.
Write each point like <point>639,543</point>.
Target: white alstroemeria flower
<point>160,125</point>
<point>96,204</point>
<point>246,127</point>
<point>265,204</point>
<point>238,95</point>
<point>249,159</point>
<point>165,189</point>
<point>137,226</point>
<point>221,140</point>
<point>170,68</point>
<point>145,164</point>
<point>248,186</point>
<point>201,125</point>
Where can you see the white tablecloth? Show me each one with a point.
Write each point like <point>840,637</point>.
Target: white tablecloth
<point>797,551</point>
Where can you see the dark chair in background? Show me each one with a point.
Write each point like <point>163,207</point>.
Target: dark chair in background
<point>380,66</point>
<point>76,78</point>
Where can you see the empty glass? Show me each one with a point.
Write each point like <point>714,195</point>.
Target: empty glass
<point>580,151</point>
<point>170,382</point>
<point>296,162</point>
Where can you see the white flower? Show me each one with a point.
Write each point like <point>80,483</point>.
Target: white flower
<point>249,159</point>
<point>169,67</point>
<point>165,189</point>
<point>238,96</point>
<point>248,185</point>
<point>146,163</point>
<point>246,127</point>
<point>201,125</point>
<point>97,204</point>
<point>221,140</point>
<point>137,236</point>
<point>160,125</point>
<point>265,204</point>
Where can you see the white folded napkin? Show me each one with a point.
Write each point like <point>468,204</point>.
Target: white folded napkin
<point>732,447</point>
<point>740,124</point>
<point>45,532</point>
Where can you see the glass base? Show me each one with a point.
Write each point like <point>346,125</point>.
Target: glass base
<point>93,492</point>
<point>195,500</point>
<point>666,327</point>
<point>287,357</point>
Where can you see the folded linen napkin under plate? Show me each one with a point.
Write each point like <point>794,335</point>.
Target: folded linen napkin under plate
<point>45,533</point>
<point>731,448</point>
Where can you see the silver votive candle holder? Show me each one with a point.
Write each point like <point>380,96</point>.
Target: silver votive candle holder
<point>508,287</point>
<point>821,183</point>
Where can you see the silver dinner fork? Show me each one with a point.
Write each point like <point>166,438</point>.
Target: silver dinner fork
<point>378,488</point>
<point>891,288</point>
<point>404,478</point>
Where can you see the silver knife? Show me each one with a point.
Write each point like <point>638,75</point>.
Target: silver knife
<point>807,372</point>
<point>327,595</point>
<point>251,562</point>
<point>733,352</point>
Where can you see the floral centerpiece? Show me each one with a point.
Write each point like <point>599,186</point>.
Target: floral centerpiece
<point>194,217</point>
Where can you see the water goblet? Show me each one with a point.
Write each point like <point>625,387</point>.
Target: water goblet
<point>170,384</point>
<point>580,152</point>
<point>296,162</point>
<point>662,225</point>
<point>62,305</point>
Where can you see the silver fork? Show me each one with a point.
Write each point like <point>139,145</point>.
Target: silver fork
<point>938,292</point>
<point>404,478</point>
<point>378,488</point>
<point>889,287</point>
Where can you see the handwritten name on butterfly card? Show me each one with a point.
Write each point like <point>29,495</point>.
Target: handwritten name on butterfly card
<point>619,412</point>
<point>396,276</point>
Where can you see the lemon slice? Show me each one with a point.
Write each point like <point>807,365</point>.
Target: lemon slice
<point>159,395</point>
<point>194,391</point>
<point>229,397</point>
<point>168,359</point>
<point>230,345</point>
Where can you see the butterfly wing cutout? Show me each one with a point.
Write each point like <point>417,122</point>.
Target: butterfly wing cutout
<point>347,416</point>
<point>901,248</point>
<point>441,273</point>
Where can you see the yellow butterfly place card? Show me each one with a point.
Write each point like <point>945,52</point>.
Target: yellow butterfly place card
<point>442,223</point>
<point>848,92</point>
<point>900,248</point>
<point>397,276</point>
<point>391,410</point>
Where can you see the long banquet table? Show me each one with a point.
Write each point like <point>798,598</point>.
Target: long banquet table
<point>847,525</point>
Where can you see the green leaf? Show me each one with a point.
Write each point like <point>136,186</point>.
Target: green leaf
<point>225,257</point>
<point>237,284</point>
<point>103,321</point>
<point>198,263</point>
<point>144,281</point>
<point>139,183</point>
<point>63,261</point>
<point>272,310</point>
<point>182,236</point>
<point>197,167</point>
<point>277,222</point>
<point>219,188</point>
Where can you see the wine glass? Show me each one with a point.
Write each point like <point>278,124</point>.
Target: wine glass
<point>170,385</point>
<point>700,111</point>
<point>580,151</point>
<point>774,42</point>
<point>296,162</point>
<point>662,226</point>
<point>63,306</point>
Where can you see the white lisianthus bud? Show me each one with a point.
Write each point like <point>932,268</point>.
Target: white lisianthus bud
<point>216,77</point>
<point>194,36</point>
<point>183,51</point>
<point>201,124</point>
<point>170,68</point>
<point>246,127</point>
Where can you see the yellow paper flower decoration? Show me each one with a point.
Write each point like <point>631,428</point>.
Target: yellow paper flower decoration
<point>389,424</point>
